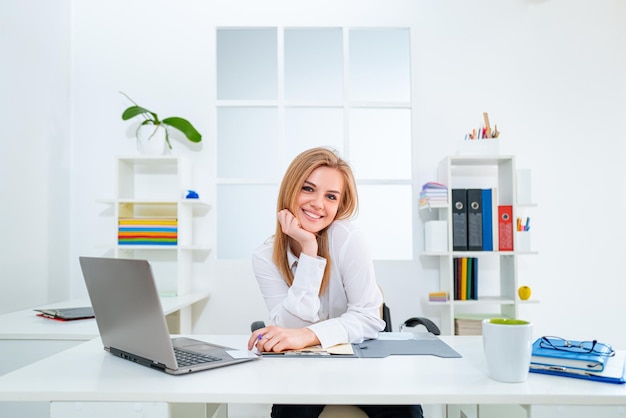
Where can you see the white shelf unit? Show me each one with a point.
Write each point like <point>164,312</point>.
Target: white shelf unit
<point>155,187</point>
<point>498,270</point>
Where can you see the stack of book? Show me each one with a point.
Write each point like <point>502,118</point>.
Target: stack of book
<point>147,231</point>
<point>433,195</point>
<point>471,324</point>
<point>440,296</point>
<point>465,278</point>
<point>590,360</point>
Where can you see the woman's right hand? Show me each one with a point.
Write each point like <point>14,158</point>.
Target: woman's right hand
<point>291,227</point>
<point>278,339</point>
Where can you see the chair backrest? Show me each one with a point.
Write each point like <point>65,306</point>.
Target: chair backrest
<point>386,315</point>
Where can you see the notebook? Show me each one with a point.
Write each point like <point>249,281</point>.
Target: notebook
<point>131,323</point>
<point>614,371</point>
<point>66,314</point>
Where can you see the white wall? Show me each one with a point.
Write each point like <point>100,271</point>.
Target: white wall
<point>550,73</point>
<point>35,154</point>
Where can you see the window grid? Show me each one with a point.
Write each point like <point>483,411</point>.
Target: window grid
<point>281,104</point>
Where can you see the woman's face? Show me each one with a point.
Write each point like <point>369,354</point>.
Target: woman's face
<point>318,200</point>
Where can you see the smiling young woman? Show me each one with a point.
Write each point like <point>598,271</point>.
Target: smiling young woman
<point>316,273</point>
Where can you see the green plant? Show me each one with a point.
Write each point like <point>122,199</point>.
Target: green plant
<point>151,118</point>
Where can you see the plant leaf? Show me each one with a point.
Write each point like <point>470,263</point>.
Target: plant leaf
<point>133,111</point>
<point>185,127</point>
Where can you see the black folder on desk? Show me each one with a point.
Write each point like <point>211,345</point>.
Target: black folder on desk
<point>412,347</point>
<point>388,344</point>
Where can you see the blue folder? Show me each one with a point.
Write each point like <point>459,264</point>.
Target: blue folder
<point>487,220</point>
<point>613,372</point>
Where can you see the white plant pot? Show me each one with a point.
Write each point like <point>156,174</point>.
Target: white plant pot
<point>151,140</point>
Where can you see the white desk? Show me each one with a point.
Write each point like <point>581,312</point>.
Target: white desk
<point>26,338</point>
<point>25,325</point>
<point>87,373</point>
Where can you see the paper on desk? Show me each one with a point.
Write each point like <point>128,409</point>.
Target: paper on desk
<point>240,353</point>
<point>339,349</point>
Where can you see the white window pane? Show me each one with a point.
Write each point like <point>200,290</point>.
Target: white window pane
<point>380,143</point>
<point>247,143</point>
<point>313,64</point>
<point>385,217</point>
<point>313,127</point>
<point>247,217</point>
<point>380,65</point>
<point>247,64</point>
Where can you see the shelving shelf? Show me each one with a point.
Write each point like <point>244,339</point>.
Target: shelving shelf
<point>154,187</point>
<point>495,172</point>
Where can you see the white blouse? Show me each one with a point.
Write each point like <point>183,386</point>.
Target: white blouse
<point>347,312</point>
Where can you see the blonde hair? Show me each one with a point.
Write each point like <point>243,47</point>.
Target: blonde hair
<point>298,171</point>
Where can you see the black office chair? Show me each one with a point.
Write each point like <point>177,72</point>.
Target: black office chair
<point>409,323</point>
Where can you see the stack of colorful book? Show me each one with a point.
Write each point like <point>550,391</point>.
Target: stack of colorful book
<point>438,296</point>
<point>147,231</point>
<point>465,278</point>
<point>433,194</point>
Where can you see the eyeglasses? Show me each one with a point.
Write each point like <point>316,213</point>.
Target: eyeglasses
<point>557,343</point>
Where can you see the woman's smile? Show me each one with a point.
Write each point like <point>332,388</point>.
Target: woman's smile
<point>318,200</point>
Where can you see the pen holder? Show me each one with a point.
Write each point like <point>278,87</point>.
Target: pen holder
<point>486,146</point>
<point>522,241</point>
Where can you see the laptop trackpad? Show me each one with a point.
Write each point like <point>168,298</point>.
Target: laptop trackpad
<point>198,346</point>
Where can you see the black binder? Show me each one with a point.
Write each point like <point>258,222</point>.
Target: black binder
<point>459,220</point>
<point>475,219</point>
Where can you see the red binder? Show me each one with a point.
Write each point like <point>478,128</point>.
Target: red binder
<point>505,228</point>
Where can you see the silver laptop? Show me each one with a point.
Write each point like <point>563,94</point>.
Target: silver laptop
<point>132,324</point>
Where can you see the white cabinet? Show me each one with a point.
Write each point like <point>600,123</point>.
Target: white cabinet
<point>498,278</point>
<point>154,220</point>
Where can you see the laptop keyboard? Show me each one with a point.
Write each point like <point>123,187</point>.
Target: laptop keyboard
<point>187,358</point>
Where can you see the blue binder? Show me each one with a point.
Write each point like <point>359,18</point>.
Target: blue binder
<point>487,220</point>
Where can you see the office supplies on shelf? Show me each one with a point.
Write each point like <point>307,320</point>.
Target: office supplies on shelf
<point>465,278</point>
<point>438,296</point>
<point>472,323</point>
<point>487,219</point>
<point>474,219</point>
<point>505,228</point>
<point>433,194</point>
<point>459,219</point>
<point>522,225</point>
<point>147,231</point>
<point>570,354</point>
<point>487,126</point>
<point>66,314</point>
